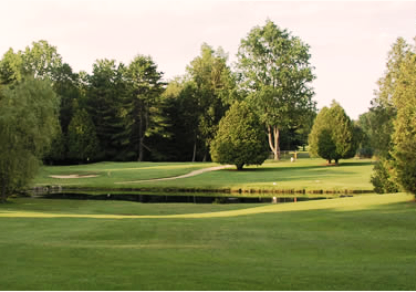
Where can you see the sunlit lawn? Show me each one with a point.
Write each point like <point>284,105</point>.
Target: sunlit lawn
<point>360,243</point>
<point>307,173</point>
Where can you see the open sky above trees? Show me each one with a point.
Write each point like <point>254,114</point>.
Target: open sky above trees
<point>349,40</point>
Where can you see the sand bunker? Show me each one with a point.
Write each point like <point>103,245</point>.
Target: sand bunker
<point>73,176</point>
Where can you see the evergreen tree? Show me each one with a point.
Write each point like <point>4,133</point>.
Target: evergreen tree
<point>404,135</point>
<point>105,95</point>
<point>142,104</point>
<point>332,136</point>
<point>240,139</point>
<point>383,113</point>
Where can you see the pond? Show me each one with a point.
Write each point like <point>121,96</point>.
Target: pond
<point>152,197</point>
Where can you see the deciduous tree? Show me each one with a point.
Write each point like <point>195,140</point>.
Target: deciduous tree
<point>28,123</point>
<point>276,73</point>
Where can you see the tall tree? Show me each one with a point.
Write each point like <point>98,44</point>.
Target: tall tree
<point>104,100</point>
<point>404,135</point>
<point>142,111</point>
<point>276,74</point>
<point>383,110</point>
<point>28,122</point>
<point>214,84</point>
<point>181,111</point>
<point>383,113</point>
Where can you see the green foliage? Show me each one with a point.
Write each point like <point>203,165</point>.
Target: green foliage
<point>82,138</point>
<point>105,92</point>
<point>383,110</point>
<point>404,136</point>
<point>365,135</point>
<point>384,177</point>
<point>181,111</point>
<point>240,139</point>
<point>142,104</point>
<point>214,86</point>
<point>333,136</point>
<point>276,74</point>
<point>28,123</point>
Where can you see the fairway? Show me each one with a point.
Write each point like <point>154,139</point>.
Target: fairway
<point>307,174</point>
<point>359,243</point>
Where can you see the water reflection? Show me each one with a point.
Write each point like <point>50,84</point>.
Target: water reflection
<point>196,198</point>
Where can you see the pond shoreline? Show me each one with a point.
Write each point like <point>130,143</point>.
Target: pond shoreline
<point>219,192</point>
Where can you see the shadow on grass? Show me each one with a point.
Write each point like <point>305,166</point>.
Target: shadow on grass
<point>277,168</point>
<point>288,168</point>
<point>361,163</point>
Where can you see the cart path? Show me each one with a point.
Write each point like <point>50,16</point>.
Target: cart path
<point>192,173</point>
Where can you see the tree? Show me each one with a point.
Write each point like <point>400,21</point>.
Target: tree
<point>143,97</point>
<point>214,86</point>
<point>82,138</point>
<point>381,119</point>
<point>105,93</point>
<point>332,136</point>
<point>383,110</point>
<point>28,123</point>
<point>240,139</point>
<point>404,135</point>
<point>181,112</point>
<point>276,74</point>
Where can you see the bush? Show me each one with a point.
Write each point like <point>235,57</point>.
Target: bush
<point>383,178</point>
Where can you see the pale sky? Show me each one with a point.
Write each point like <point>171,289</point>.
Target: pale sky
<point>349,40</point>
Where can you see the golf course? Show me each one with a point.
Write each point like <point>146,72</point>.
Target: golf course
<point>358,242</point>
<point>309,174</point>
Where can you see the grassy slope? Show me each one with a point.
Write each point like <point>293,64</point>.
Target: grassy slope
<point>363,243</point>
<point>309,174</point>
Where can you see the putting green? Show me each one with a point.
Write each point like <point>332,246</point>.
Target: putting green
<point>341,204</point>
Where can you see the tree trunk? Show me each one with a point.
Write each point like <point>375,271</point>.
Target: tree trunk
<point>274,141</point>
<point>240,167</point>
<point>3,191</point>
<point>194,152</point>
<point>329,161</point>
<point>141,137</point>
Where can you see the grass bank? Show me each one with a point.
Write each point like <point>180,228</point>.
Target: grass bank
<point>305,175</point>
<point>360,243</point>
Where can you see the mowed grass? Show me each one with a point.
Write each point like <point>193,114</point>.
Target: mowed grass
<point>110,172</point>
<point>360,243</point>
<point>306,173</point>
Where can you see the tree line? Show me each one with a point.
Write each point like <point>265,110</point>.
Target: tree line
<point>126,112</point>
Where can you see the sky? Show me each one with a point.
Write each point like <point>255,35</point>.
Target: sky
<point>349,40</point>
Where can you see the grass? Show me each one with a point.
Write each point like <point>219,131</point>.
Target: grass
<point>306,173</point>
<point>360,243</point>
<point>110,172</point>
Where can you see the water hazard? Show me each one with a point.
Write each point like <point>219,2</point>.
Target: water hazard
<point>149,197</point>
